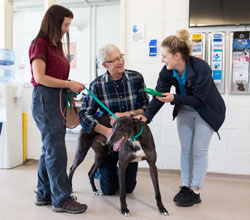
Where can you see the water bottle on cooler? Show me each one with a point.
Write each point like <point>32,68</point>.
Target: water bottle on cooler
<point>7,65</point>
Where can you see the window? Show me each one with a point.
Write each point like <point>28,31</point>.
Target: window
<point>93,25</point>
<point>27,17</point>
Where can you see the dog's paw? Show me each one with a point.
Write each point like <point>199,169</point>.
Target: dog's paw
<point>163,211</point>
<point>98,193</point>
<point>125,212</point>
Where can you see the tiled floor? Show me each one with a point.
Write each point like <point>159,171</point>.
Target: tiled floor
<point>223,198</point>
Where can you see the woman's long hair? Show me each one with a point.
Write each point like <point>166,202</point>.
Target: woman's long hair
<point>51,26</point>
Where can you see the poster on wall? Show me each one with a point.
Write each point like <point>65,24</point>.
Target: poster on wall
<point>198,45</point>
<point>217,66</point>
<point>137,33</point>
<point>72,56</point>
<point>216,58</point>
<point>1,123</point>
<point>240,62</point>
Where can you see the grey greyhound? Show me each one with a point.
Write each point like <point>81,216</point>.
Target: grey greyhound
<point>142,148</point>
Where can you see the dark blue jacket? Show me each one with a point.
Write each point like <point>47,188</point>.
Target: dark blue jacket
<point>201,92</point>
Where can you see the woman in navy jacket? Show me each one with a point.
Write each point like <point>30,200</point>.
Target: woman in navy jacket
<point>198,106</point>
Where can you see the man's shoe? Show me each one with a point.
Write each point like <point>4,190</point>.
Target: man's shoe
<point>71,206</point>
<point>183,191</point>
<point>40,202</point>
<point>189,199</point>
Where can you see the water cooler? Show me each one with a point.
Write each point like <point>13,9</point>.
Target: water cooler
<point>11,144</point>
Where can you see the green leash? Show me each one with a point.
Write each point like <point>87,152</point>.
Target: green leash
<point>100,103</point>
<point>136,136</point>
<point>152,92</point>
<point>68,100</point>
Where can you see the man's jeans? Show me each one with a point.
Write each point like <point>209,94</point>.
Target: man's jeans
<point>109,175</point>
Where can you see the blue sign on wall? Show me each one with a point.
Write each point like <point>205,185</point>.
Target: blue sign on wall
<point>152,48</point>
<point>1,124</point>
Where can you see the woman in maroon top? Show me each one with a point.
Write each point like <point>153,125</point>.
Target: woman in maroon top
<point>50,71</point>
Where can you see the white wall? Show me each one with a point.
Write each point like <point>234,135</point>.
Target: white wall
<point>2,20</point>
<point>5,24</point>
<point>107,25</point>
<point>23,35</point>
<point>161,18</point>
<point>79,34</point>
<point>107,30</point>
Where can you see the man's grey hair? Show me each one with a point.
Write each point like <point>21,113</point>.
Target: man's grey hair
<point>105,50</point>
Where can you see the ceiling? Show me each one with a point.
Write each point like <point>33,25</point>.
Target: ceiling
<point>23,5</point>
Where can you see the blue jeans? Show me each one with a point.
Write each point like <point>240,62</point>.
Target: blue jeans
<point>109,180</point>
<point>195,136</point>
<point>53,181</point>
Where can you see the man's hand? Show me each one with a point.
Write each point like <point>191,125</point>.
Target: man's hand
<point>107,132</point>
<point>118,115</point>
<point>101,129</point>
<point>141,117</point>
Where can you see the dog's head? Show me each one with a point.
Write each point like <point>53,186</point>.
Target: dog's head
<point>123,129</point>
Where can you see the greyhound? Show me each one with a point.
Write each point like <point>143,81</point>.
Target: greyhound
<point>98,143</point>
<point>143,148</point>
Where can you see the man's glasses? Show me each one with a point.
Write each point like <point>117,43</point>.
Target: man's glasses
<point>117,59</point>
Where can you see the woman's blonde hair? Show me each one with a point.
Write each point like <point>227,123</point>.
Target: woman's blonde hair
<point>179,43</point>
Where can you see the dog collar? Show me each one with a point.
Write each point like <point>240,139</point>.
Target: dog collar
<point>136,136</point>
